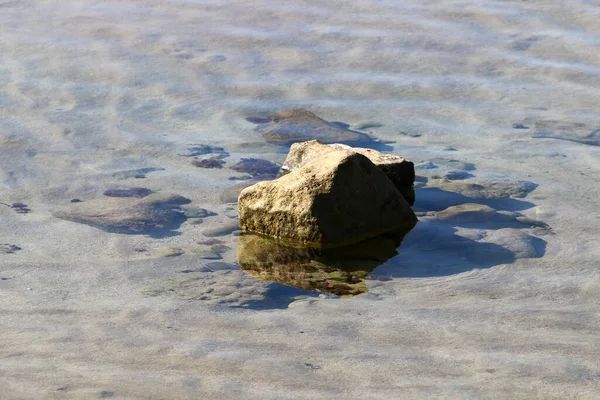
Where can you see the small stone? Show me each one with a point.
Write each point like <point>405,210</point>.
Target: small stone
<point>195,150</point>
<point>158,211</point>
<point>169,251</point>
<point>425,165</point>
<point>257,168</point>
<point>9,248</point>
<point>231,194</point>
<point>195,221</point>
<point>570,131</point>
<point>75,201</point>
<point>220,248</point>
<point>469,212</point>
<point>519,126</point>
<point>209,163</point>
<point>221,230</point>
<point>206,253</point>
<point>197,212</point>
<point>457,175</point>
<point>299,125</point>
<point>136,173</point>
<point>367,125</point>
<point>137,192</point>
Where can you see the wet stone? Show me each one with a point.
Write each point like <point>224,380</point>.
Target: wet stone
<point>570,131</point>
<point>195,221</point>
<point>257,168</point>
<point>209,163</point>
<point>221,230</point>
<point>521,244</point>
<point>425,165</point>
<point>457,175</point>
<point>231,194</point>
<point>469,212</point>
<point>197,212</point>
<point>136,173</point>
<point>156,212</point>
<point>206,253</point>
<point>220,248</point>
<point>519,126</point>
<point>169,251</point>
<point>367,125</point>
<point>195,150</point>
<point>137,192</point>
<point>6,248</point>
<point>486,189</point>
<point>299,125</point>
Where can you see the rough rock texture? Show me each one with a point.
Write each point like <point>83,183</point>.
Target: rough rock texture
<point>158,211</point>
<point>298,125</point>
<point>398,169</point>
<point>341,271</point>
<point>336,199</point>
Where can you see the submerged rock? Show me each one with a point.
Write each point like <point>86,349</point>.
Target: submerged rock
<point>341,271</point>
<point>257,168</point>
<point>195,150</point>
<point>336,199</point>
<point>156,212</point>
<point>231,194</point>
<point>398,169</point>
<point>208,163</point>
<point>6,248</point>
<point>570,131</point>
<point>298,125</point>
<point>138,192</point>
<point>468,212</point>
<point>169,251</point>
<point>486,189</point>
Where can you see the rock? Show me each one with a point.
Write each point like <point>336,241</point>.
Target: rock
<point>169,251</point>
<point>158,211</point>
<point>6,248</point>
<point>341,271</point>
<point>221,230</point>
<point>469,212</point>
<point>208,163</point>
<point>220,248</point>
<point>257,168</point>
<point>135,173</point>
<point>138,192</point>
<point>426,165</point>
<point>519,243</point>
<point>195,150</point>
<point>291,126</point>
<point>211,285</point>
<point>231,194</point>
<point>454,164</point>
<point>197,212</point>
<point>206,253</point>
<point>398,169</point>
<point>570,131</point>
<point>195,221</point>
<point>336,199</point>
<point>486,189</point>
<point>457,175</point>
<point>362,125</point>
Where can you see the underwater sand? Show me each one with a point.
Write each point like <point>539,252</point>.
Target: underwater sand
<point>90,90</point>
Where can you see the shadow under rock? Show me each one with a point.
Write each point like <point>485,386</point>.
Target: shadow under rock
<point>434,248</point>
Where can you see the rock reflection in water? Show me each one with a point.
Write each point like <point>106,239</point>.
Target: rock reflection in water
<point>340,271</point>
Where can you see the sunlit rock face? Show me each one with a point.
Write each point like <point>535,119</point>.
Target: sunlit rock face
<point>341,271</point>
<point>398,169</point>
<point>336,199</point>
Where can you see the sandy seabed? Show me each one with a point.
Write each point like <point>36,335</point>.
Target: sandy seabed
<point>89,89</point>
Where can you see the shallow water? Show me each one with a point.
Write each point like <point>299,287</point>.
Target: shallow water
<point>111,95</point>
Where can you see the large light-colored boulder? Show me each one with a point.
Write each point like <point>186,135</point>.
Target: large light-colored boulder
<point>398,169</point>
<point>336,199</point>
